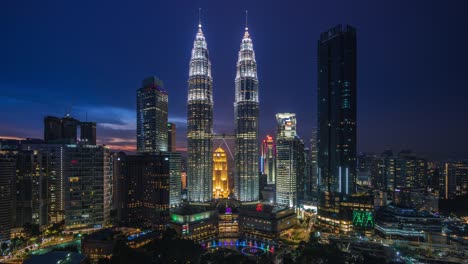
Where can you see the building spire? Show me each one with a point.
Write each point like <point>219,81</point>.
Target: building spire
<point>246,17</point>
<point>199,17</point>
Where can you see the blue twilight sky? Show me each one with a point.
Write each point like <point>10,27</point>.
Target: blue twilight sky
<point>91,56</point>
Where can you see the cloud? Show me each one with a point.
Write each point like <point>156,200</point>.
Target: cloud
<point>111,117</point>
<point>179,121</point>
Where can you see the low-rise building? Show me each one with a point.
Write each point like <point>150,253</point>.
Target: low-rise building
<point>406,223</point>
<point>195,222</point>
<point>265,222</point>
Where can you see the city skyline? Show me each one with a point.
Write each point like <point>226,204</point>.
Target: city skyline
<point>414,122</point>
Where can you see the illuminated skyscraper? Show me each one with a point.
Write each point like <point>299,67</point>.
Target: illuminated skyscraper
<point>268,166</point>
<point>290,162</point>
<point>87,185</point>
<point>200,123</point>
<point>220,174</point>
<point>337,110</point>
<point>313,164</point>
<point>152,104</point>
<point>7,196</point>
<point>246,111</point>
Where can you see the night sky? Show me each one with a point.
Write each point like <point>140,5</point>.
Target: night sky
<point>91,56</point>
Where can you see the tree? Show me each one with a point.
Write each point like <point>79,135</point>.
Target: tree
<point>31,230</point>
<point>4,246</point>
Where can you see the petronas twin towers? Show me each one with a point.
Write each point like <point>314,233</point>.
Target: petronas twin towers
<point>200,123</point>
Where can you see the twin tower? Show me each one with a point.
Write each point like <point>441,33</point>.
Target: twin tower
<point>200,123</point>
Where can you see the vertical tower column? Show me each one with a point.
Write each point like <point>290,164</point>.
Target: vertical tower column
<point>246,110</point>
<point>200,123</point>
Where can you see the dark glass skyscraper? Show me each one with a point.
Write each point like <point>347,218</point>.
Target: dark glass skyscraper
<point>200,122</point>
<point>337,110</point>
<point>171,137</point>
<point>152,104</point>
<point>88,132</point>
<point>246,111</point>
<point>65,130</point>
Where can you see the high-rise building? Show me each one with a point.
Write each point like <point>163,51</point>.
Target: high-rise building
<point>32,184</point>
<point>220,174</point>
<point>411,171</point>
<point>88,132</point>
<point>366,169</point>
<point>175,178</point>
<point>171,137</point>
<point>145,184</point>
<point>290,162</point>
<point>87,186</point>
<point>52,129</point>
<point>246,111</point>
<point>7,196</point>
<point>65,130</point>
<point>268,159</point>
<point>337,110</point>
<point>69,129</point>
<point>313,164</point>
<point>456,180</point>
<point>55,180</point>
<point>152,108</point>
<point>200,123</point>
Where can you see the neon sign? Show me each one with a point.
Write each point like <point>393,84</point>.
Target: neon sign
<point>259,207</point>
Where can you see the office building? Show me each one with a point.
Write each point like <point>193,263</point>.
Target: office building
<point>152,107</point>
<point>175,178</point>
<point>171,137</point>
<point>88,132</point>
<point>246,114</point>
<point>65,130</point>
<point>313,164</point>
<point>337,110</point>
<point>195,222</point>
<point>268,159</point>
<point>32,182</point>
<point>52,129</point>
<point>456,180</point>
<point>87,186</point>
<point>7,196</point>
<point>148,185</point>
<point>411,171</point>
<point>290,162</point>
<point>200,123</point>
<point>220,174</point>
<point>265,222</point>
<point>54,154</point>
<point>342,214</point>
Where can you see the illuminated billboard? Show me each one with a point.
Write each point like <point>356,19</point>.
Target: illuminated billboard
<point>363,219</point>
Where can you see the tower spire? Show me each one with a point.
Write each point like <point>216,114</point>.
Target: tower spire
<point>199,17</point>
<point>246,17</point>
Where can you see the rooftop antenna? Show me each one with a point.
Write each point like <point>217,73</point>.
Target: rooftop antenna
<point>199,17</point>
<point>246,17</point>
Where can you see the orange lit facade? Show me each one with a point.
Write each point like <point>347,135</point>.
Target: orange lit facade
<point>220,174</point>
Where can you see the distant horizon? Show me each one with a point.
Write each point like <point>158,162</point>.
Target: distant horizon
<point>411,72</point>
<point>183,150</point>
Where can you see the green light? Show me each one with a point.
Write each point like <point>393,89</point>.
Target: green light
<point>363,219</point>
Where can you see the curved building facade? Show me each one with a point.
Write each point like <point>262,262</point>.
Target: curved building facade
<point>200,123</point>
<point>246,111</point>
<point>220,174</point>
